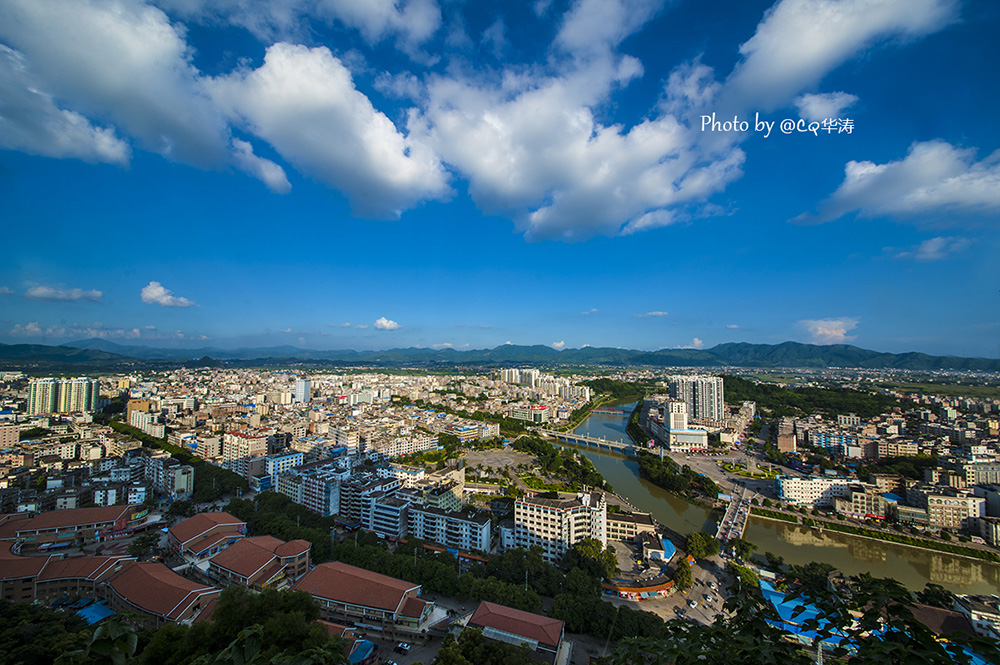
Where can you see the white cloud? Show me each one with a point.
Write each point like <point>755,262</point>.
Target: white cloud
<point>386,324</point>
<point>651,315</point>
<point>55,293</point>
<point>592,27</point>
<point>696,343</point>
<point>934,179</point>
<point>264,170</point>
<point>30,329</point>
<point>935,249</point>
<point>30,121</point>
<point>303,102</point>
<point>592,310</point>
<point>286,330</point>
<point>532,149</point>
<point>361,326</point>
<point>733,326</point>
<point>77,331</point>
<point>830,331</point>
<point>154,293</point>
<point>125,61</point>
<point>799,41</point>
<point>495,38</point>
<point>412,22</point>
<point>558,345</point>
<point>820,107</point>
<point>6,291</point>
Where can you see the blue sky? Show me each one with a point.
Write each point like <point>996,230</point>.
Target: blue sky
<point>341,174</point>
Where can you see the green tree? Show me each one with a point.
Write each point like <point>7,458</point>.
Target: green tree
<point>701,545</point>
<point>588,555</point>
<point>742,548</point>
<point>143,544</point>
<point>936,595</point>
<point>682,576</point>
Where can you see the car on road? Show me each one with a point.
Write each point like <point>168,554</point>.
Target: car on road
<point>692,603</point>
<point>707,597</point>
<point>712,585</point>
<point>402,648</point>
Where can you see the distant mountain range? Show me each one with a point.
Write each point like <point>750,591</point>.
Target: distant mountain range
<point>102,354</point>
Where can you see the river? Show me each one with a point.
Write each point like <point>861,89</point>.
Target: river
<point>796,544</point>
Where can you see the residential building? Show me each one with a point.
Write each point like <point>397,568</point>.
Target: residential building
<point>457,530</point>
<point>812,490</point>
<point>557,524</point>
<point>704,395</point>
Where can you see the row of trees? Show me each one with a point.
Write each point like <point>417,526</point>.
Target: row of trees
<point>669,475</point>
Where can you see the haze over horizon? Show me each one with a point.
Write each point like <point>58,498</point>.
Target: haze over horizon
<point>424,173</point>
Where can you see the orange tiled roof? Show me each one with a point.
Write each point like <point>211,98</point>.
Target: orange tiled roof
<point>517,622</point>
<point>347,584</point>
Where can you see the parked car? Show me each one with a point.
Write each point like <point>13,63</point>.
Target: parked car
<point>402,648</point>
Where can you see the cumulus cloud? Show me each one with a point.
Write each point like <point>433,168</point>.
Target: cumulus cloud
<point>303,102</point>
<point>30,121</point>
<point>651,315</point>
<point>559,345</point>
<point>264,170</point>
<point>829,331</point>
<point>55,293</point>
<point>934,179</point>
<point>77,331</point>
<point>695,343</point>
<point>386,324</point>
<point>155,293</point>
<point>412,22</point>
<point>820,107</point>
<point>800,41</point>
<point>122,60</point>
<point>361,326</point>
<point>935,249</point>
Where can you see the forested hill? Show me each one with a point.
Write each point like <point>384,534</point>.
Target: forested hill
<point>741,354</point>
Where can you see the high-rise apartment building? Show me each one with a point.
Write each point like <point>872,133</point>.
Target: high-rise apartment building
<point>303,391</point>
<point>62,395</point>
<point>704,395</point>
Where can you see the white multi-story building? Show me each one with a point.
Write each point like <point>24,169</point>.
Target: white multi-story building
<point>303,391</point>
<point>813,490</point>
<point>451,529</point>
<point>704,396</point>
<point>236,445</point>
<point>557,524</point>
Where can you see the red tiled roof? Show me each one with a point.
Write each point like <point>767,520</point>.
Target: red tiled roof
<point>10,523</point>
<point>193,527</point>
<point>267,542</point>
<point>245,557</point>
<point>293,548</point>
<point>81,567</point>
<point>14,567</point>
<point>517,622</point>
<point>347,584</point>
<point>208,542</point>
<point>55,519</point>
<point>336,630</point>
<point>158,590</point>
<point>413,608</point>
